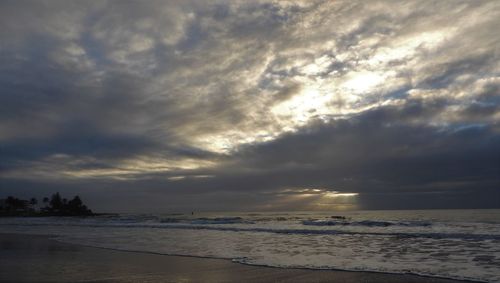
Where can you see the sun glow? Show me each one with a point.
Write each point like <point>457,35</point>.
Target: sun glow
<point>334,194</point>
<point>407,48</point>
<point>362,82</point>
<point>310,102</point>
<point>322,198</point>
<point>321,193</point>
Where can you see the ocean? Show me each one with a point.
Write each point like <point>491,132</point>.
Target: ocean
<point>458,244</point>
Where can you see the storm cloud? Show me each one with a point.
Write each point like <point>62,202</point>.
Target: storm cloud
<point>261,105</point>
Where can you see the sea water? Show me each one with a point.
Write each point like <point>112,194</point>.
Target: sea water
<point>459,244</point>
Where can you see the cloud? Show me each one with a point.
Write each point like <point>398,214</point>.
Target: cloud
<point>377,98</point>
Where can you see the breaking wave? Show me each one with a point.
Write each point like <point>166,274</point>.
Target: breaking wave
<point>188,226</point>
<point>369,223</point>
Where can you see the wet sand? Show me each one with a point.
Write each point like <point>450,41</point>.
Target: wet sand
<point>26,258</point>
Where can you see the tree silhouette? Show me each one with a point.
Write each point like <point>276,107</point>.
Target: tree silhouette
<point>56,206</point>
<point>76,207</point>
<point>75,202</point>
<point>14,204</point>
<point>56,202</point>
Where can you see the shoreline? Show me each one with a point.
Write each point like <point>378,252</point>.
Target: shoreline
<point>39,258</point>
<point>268,266</point>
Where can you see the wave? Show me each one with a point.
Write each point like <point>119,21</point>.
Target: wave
<point>205,221</point>
<point>248,261</point>
<point>368,223</point>
<point>186,226</point>
<point>220,220</point>
<point>252,262</point>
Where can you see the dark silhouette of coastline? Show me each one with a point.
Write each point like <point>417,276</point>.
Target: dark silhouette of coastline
<point>56,206</point>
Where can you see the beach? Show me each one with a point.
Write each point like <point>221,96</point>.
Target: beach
<point>33,258</point>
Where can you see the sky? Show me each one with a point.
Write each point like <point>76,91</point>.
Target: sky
<point>163,106</point>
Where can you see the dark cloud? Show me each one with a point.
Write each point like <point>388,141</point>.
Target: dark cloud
<point>379,145</point>
<point>251,105</point>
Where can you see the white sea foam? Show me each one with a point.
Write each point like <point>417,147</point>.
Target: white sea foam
<point>453,244</point>
<point>370,223</point>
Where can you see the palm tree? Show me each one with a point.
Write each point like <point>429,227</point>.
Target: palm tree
<point>56,202</point>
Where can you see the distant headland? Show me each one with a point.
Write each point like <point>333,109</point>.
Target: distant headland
<point>55,206</point>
